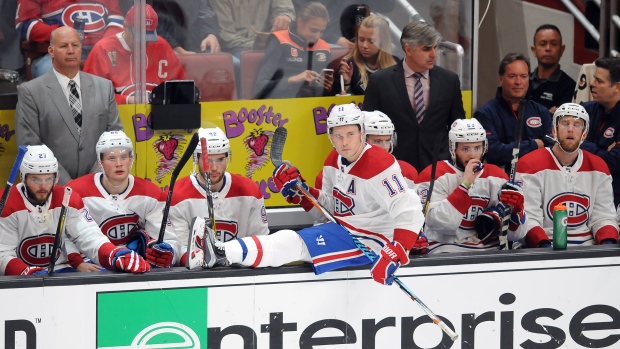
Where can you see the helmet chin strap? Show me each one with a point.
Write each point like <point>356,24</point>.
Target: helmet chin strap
<point>569,152</point>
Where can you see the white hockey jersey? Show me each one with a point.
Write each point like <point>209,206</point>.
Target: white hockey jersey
<point>371,198</point>
<point>585,188</point>
<point>139,206</point>
<point>238,207</point>
<point>452,212</point>
<point>28,232</point>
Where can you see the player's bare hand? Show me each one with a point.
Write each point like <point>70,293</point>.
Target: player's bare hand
<point>88,268</point>
<point>346,70</point>
<point>210,42</point>
<point>281,23</point>
<point>469,175</point>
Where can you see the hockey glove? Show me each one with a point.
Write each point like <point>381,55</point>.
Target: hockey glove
<point>392,256</point>
<point>128,261</point>
<point>488,224</point>
<point>420,246</point>
<point>511,195</point>
<point>608,242</point>
<point>139,241</point>
<point>286,179</point>
<point>160,255</point>
<point>34,271</point>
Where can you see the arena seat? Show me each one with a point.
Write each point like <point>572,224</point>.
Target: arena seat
<point>214,74</point>
<point>250,64</point>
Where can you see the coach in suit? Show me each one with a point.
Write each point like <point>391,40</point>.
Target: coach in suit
<point>421,99</point>
<point>66,109</point>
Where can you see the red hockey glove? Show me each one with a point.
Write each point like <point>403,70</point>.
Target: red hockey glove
<point>160,255</point>
<point>393,255</point>
<point>488,224</point>
<point>34,271</point>
<point>128,261</point>
<point>286,178</point>
<point>511,195</point>
<point>420,246</point>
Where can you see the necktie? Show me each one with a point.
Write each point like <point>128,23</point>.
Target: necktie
<point>76,105</point>
<point>418,98</point>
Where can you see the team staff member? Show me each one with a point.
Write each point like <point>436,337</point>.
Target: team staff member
<point>128,209</point>
<point>499,115</point>
<point>564,174</point>
<point>30,217</point>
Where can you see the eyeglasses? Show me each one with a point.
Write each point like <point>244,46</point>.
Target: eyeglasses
<point>348,136</point>
<point>472,150</point>
<point>122,158</point>
<point>39,181</point>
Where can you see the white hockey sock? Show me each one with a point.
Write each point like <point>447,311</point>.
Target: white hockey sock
<point>281,247</point>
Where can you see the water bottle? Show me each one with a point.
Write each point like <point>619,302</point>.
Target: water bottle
<point>78,24</point>
<point>560,223</point>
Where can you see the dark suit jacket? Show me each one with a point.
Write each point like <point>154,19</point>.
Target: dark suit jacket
<point>387,92</point>
<point>43,116</point>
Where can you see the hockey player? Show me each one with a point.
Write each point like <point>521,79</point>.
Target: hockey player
<point>112,58</point>
<point>30,217</point>
<point>239,207</point>
<point>128,209</point>
<point>564,174</point>
<point>468,199</point>
<point>362,187</point>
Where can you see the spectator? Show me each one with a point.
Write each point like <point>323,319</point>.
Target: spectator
<point>604,112</point>
<point>499,115</point>
<point>66,109</point>
<point>422,99</point>
<point>128,209</point>
<point>180,22</point>
<point>564,174</point>
<point>30,218</point>
<point>549,85</point>
<point>372,51</point>
<point>377,209</point>
<point>288,51</point>
<point>112,58</point>
<point>468,199</point>
<point>239,207</point>
<point>241,20</point>
<point>35,21</point>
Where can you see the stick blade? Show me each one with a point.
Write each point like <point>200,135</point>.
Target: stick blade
<point>194,255</point>
<point>277,146</point>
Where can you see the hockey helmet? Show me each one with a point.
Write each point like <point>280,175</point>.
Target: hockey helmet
<point>39,159</point>
<point>466,130</point>
<point>345,114</point>
<point>379,124</point>
<point>574,110</point>
<point>113,139</point>
<point>217,142</point>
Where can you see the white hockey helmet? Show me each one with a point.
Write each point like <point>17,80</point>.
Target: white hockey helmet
<point>574,110</point>
<point>113,139</point>
<point>217,142</point>
<point>466,130</point>
<point>39,159</point>
<point>345,114</point>
<point>377,123</point>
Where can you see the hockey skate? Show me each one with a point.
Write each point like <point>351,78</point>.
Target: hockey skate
<point>213,249</point>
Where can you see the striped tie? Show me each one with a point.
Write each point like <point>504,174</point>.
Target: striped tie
<point>418,97</point>
<point>76,105</point>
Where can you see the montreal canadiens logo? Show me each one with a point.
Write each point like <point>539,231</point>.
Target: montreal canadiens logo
<point>228,229</point>
<point>577,206</point>
<point>609,133</point>
<point>95,16</point>
<point>36,250</point>
<point>534,121</point>
<point>131,90</point>
<point>478,204</point>
<point>343,203</point>
<point>117,228</point>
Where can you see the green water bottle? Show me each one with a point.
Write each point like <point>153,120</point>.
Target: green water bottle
<point>560,223</point>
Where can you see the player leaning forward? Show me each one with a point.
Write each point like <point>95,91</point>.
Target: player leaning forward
<point>564,174</point>
<point>363,188</point>
<point>30,217</point>
<point>128,209</point>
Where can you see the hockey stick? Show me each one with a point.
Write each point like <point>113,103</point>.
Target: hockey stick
<point>59,230</point>
<point>175,173</point>
<point>503,236</point>
<point>433,173</point>
<point>277,147</point>
<point>21,151</point>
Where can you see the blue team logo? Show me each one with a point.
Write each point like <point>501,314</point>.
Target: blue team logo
<point>117,228</point>
<point>478,204</point>
<point>36,250</point>
<point>226,230</point>
<point>577,206</point>
<point>95,16</point>
<point>343,203</point>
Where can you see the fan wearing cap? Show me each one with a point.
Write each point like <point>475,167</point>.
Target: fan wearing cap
<point>468,199</point>
<point>112,58</point>
<point>239,207</point>
<point>128,209</point>
<point>30,217</point>
<point>362,187</point>
<point>565,174</point>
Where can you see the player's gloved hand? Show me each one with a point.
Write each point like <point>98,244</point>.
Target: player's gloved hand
<point>34,271</point>
<point>488,224</point>
<point>128,261</point>
<point>285,179</point>
<point>544,244</point>
<point>139,241</point>
<point>608,242</point>
<point>392,256</point>
<point>511,195</point>
<point>160,255</point>
<point>420,246</point>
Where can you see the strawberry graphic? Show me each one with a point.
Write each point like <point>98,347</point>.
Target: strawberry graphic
<point>257,141</point>
<point>167,145</point>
